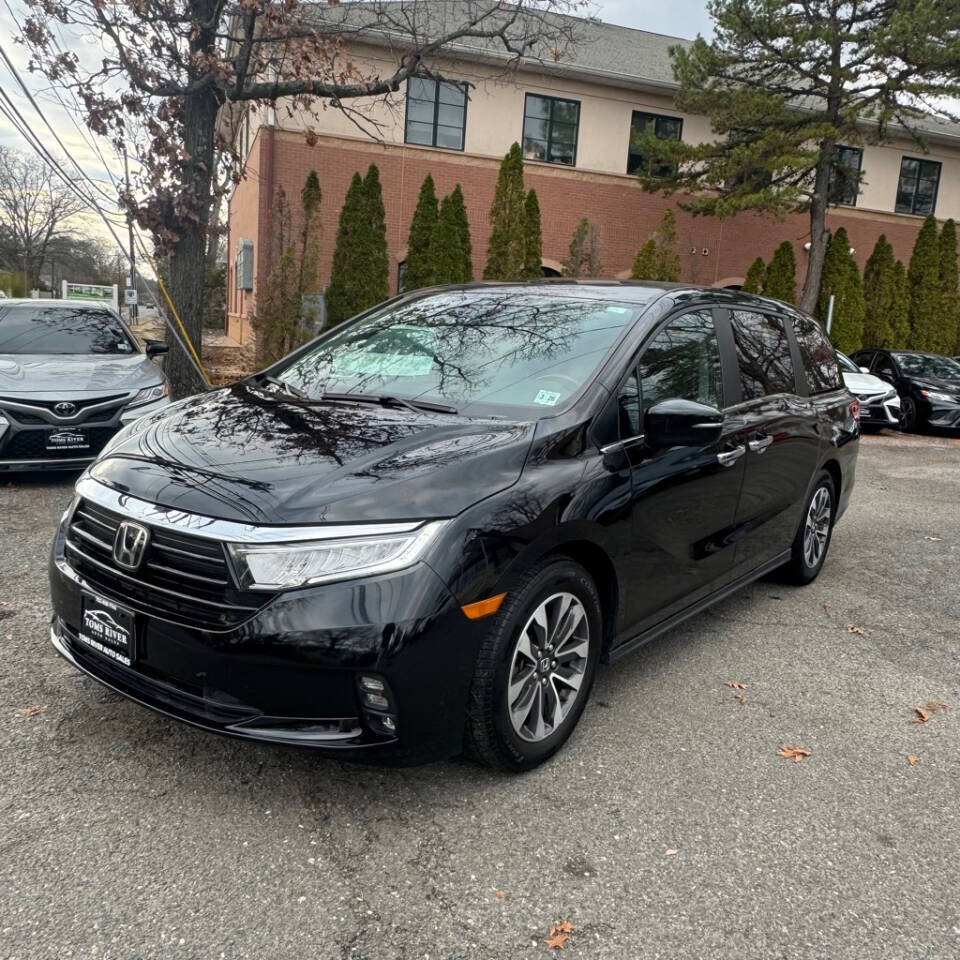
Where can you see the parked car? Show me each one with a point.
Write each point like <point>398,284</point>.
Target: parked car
<point>71,374</point>
<point>879,402</point>
<point>928,384</point>
<point>422,531</point>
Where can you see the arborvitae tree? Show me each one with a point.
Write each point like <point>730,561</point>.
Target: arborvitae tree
<point>926,300</point>
<point>841,277</point>
<point>459,215</point>
<point>753,282</point>
<point>533,238</point>
<point>901,307</point>
<point>377,287</point>
<point>344,294</point>
<point>584,257</point>
<point>445,254</point>
<point>646,267</point>
<point>780,280</point>
<point>418,243</point>
<point>880,295</point>
<point>950,330</point>
<point>506,258</point>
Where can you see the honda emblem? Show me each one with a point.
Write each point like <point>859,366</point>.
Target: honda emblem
<point>130,545</point>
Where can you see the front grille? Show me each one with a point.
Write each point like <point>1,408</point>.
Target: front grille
<point>32,445</point>
<point>31,419</point>
<point>81,404</point>
<point>183,578</point>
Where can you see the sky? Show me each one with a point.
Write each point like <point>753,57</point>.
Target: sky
<point>684,18</point>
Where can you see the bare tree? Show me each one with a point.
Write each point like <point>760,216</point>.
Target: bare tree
<point>35,205</point>
<point>172,66</point>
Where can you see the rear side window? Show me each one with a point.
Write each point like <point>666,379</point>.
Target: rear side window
<point>763,354</point>
<point>818,356</point>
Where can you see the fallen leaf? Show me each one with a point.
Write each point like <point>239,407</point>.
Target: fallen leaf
<point>853,628</point>
<point>736,685</point>
<point>560,935</point>
<point>671,853</point>
<point>912,758</point>
<point>500,894</point>
<point>934,705</point>
<point>793,753</point>
<point>742,700</point>
<point>564,926</point>
<point>36,710</point>
<point>826,607</point>
<point>921,715</point>
<point>933,539</point>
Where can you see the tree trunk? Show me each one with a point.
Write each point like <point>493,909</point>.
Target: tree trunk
<point>819,234</point>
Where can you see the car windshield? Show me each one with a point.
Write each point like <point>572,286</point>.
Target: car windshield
<point>846,363</point>
<point>923,365</point>
<point>61,330</point>
<point>477,351</point>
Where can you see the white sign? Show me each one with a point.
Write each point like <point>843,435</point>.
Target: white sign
<point>130,297</point>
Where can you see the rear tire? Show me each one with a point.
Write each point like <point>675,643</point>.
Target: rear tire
<point>535,667</point>
<point>810,545</point>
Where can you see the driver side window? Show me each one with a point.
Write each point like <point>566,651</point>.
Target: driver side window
<point>683,362</point>
<point>883,367</point>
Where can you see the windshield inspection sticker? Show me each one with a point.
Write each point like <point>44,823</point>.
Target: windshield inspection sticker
<point>547,397</point>
<point>617,310</point>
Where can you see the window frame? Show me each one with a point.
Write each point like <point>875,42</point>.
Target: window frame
<point>576,130</point>
<point>655,117</point>
<point>913,201</point>
<point>436,112</point>
<point>840,148</point>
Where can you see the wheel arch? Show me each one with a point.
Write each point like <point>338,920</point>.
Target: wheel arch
<point>836,475</point>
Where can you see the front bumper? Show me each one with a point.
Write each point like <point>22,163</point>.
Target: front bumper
<point>289,674</point>
<point>881,412</point>
<point>943,414</point>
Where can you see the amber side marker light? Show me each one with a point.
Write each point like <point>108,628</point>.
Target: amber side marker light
<point>483,608</point>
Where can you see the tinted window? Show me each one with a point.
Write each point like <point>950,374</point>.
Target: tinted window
<point>64,330</point>
<point>436,113</point>
<point>883,366</point>
<point>763,353</point>
<point>476,351</point>
<point>818,357</point>
<point>683,361</point>
<point>628,406</point>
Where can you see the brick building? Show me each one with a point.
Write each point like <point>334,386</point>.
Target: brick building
<point>574,120</point>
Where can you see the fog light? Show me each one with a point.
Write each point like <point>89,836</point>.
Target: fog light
<point>382,723</point>
<point>389,723</point>
<point>374,684</point>
<point>376,701</point>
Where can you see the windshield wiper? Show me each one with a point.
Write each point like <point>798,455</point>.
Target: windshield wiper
<point>390,400</point>
<point>286,387</point>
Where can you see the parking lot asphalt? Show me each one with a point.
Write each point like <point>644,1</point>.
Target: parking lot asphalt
<point>668,827</point>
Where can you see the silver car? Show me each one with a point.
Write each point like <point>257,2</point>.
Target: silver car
<point>71,375</point>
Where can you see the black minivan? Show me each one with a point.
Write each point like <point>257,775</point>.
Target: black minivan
<point>418,534</point>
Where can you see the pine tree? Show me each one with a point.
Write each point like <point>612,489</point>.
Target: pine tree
<point>668,260</point>
<point>584,257</point>
<point>841,277</point>
<point>445,254</point>
<point>926,301</point>
<point>753,283</point>
<point>646,267</point>
<point>506,258</point>
<point>377,286</point>
<point>344,291</point>
<point>459,215</point>
<point>949,340</point>
<point>879,294</point>
<point>418,243</point>
<point>900,311</point>
<point>533,238</point>
<point>780,280</point>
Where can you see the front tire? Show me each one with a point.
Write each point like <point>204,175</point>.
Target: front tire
<point>909,416</point>
<point>535,668</point>
<point>810,545</point>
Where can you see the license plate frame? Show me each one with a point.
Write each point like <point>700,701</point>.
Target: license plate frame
<point>108,628</point>
<point>67,439</point>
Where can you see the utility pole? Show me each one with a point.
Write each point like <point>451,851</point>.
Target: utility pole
<point>132,310</point>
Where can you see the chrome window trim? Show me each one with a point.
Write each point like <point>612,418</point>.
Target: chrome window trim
<point>229,531</point>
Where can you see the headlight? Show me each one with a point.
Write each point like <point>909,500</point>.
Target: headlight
<point>285,566</point>
<point>148,395</point>
<point>935,395</point>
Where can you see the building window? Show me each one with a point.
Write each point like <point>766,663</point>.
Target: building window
<point>402,276</point>
<point>550,128</point>
<point>917,190</point>
<point>845,176</point>
<point>665,128</point>
<point>436,113</point>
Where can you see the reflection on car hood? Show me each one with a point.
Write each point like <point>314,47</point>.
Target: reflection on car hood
<point>238,454</point>
<point>60,375</point>
<point>865,383</point>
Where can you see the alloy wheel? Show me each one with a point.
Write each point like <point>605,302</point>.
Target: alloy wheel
<point>908,413</point>
<point>816,530</point>
<point>548,667</point>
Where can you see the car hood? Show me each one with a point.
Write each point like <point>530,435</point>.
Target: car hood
<point>865,383</point>
<point>66,374</point>
<point>238,454</point>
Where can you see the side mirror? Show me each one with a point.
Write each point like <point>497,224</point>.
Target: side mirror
<point>682,423</point>
<point>155,347</point>
<point>864,369</point>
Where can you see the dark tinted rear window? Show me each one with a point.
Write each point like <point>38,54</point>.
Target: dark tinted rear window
<point>61,330</point>
<point>818,356</point>
<point>763,354</point>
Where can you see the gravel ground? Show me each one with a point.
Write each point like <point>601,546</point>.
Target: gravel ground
<point>668,828</point>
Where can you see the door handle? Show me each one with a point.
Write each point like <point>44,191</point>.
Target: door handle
<point>760,444</point>
<point>729,457</point>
